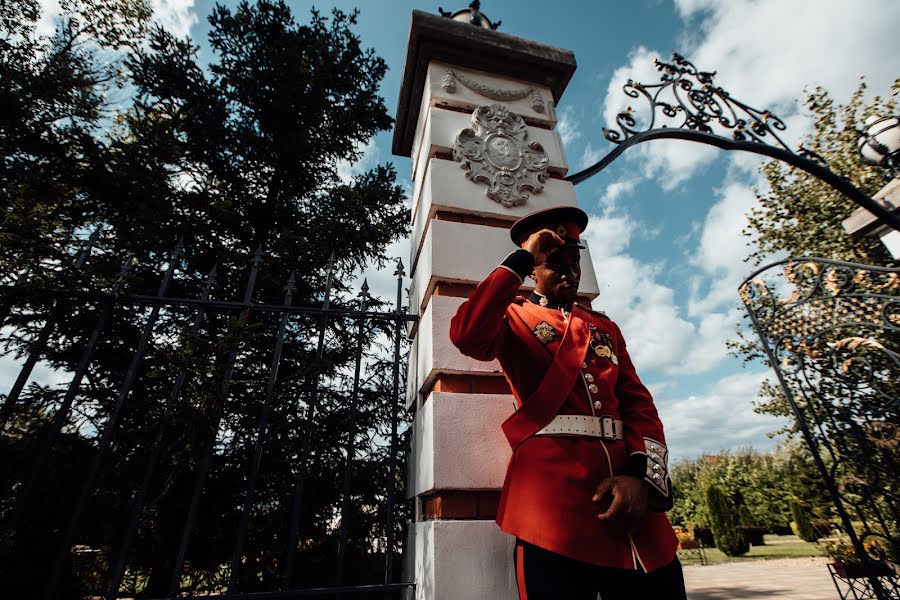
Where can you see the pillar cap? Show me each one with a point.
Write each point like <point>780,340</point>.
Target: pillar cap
<point>433,37</point>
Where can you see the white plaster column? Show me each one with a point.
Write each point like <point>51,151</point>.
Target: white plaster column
<point>455,550</point>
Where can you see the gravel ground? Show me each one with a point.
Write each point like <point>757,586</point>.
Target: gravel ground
<point>787,578</point>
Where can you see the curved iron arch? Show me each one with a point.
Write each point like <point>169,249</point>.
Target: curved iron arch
<point>692,97</point>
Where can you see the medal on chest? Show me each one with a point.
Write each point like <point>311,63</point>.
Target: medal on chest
<point>601,345</point>
<point>544,332</point>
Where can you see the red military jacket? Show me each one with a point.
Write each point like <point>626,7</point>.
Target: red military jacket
<point>551,360</point>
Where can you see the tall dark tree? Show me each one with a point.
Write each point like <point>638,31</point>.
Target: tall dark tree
<point>239,158</point>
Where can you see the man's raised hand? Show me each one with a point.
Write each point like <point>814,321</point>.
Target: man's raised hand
<point>542,244</point>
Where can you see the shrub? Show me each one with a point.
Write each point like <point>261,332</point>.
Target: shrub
<point>744,518</point>
<point>724,523</point>
<point>801,525</point>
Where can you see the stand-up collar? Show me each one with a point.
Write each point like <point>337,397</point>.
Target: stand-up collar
<point>546,301</point>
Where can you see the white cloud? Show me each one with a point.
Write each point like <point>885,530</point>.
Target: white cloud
<point>616,190</point>
<point>660,339</point>
<point>50,10</point>
<point>177,16</point>
<point>590,156</point>
<point>723,413</point>
<point>765,53</point>
<point>719,256</point>
<point>567,125</point>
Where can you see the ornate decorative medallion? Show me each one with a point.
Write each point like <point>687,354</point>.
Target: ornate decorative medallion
<point>495,151</point>
<point>544,332</point>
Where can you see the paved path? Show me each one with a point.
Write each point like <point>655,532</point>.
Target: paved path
<point>782,578</point>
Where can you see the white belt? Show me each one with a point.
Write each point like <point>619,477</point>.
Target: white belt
<point>605,428</point>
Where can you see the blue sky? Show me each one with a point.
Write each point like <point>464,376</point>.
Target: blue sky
<point>666,217</point>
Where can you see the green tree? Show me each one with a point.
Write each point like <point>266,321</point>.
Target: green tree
<point>243,154</point>
<point>764,482</point>
<point>800,215</point>
<point>723,521</point>
<point>53,97</point>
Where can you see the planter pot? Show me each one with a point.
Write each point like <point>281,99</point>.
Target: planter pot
<point>857,570</point>
<point>753,535</point>
<point>704,534</point>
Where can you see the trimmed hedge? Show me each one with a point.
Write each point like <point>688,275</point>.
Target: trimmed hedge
<point>802,525</point>
<point>723,519</point>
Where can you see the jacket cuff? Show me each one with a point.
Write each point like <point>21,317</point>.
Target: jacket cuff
<point>520,262</point>
<point>652,467</point>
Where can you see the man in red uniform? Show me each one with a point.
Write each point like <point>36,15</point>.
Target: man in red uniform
<point>587,484</point>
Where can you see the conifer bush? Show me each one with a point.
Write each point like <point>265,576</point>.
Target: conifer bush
<point>802,525</point>
<point>724,522</point>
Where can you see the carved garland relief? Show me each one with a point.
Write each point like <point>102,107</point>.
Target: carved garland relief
<point>448,83</point>
<point>495,151</point>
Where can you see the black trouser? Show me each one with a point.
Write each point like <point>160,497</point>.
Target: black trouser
<point>545,575</point>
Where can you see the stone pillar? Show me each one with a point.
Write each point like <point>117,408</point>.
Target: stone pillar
<point>862,222</point>
<point>456,72</point>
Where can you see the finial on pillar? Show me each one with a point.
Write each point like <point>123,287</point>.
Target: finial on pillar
<point>472,15</point>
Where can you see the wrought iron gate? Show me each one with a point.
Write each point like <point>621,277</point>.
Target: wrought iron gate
<point>200,446</point>
<point>831,332</point>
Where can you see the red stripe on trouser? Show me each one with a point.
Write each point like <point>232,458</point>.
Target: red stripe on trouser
<point>520,571</point>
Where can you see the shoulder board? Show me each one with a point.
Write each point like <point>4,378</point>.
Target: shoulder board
<point>594,312</point>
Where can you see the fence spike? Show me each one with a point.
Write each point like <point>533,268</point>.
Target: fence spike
<point>290,286</point>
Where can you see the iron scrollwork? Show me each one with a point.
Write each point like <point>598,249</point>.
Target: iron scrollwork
<point>687,105</point>
<point>691,97</point>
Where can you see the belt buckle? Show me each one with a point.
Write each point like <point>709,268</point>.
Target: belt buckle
<point>607,428</point>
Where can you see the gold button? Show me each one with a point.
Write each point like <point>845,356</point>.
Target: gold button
<point>597,404</point>
<point>593,388</point>
<point>584,365</point>
<point>588,377</point>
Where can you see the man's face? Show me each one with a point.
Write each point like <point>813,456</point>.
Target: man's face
<point>559,276</point>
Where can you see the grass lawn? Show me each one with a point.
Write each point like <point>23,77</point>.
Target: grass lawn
<point>776,546</point>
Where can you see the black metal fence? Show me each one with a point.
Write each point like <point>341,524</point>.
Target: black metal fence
<point>831,331</point>
<point>184,443</point>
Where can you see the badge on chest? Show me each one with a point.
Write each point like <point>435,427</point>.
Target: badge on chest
<point>544,332</point>
<point>601,344</point>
